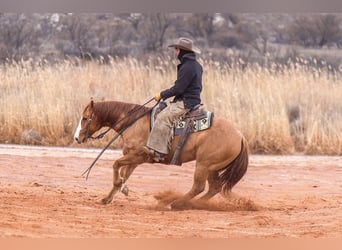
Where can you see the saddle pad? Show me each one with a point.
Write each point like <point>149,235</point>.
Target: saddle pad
<point>198,124</point>
<point>203,123</point>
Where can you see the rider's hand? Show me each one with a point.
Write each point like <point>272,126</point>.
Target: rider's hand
<point>157,97</point>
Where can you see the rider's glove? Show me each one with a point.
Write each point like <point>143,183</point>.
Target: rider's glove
<point>157,97</point>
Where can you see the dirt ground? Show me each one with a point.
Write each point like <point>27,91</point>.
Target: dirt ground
<point>43,195</point>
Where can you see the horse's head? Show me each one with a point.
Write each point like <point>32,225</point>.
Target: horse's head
<point>88,124</point>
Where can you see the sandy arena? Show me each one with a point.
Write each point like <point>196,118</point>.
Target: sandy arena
<point>43,195</point>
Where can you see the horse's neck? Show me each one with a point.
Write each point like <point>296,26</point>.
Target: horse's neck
<point>118,115</point>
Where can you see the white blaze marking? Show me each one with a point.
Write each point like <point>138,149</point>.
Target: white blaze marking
<point>78,129</point>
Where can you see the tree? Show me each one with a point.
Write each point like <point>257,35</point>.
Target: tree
<point>18,35</point>
<point>202,25</point>
<point>152,30</point>
<point>328,29</point>
<point>316,30</point>
<point>77,30</point>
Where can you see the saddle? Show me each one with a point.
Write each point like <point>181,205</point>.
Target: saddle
<point>195,120</point>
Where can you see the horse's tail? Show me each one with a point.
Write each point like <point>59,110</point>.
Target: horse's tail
<point>233,173</point>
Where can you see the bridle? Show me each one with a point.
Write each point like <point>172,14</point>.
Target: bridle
<point>133,111</point>
<point>88,125</point>
<point>89,120</point>
<point>130,113</point>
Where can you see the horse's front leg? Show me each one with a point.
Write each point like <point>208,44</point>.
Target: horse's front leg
<point>125,173</point>
<point>117,183</point>
<point>122,169</point>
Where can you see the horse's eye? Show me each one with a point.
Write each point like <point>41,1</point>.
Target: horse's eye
<point>84,119</point>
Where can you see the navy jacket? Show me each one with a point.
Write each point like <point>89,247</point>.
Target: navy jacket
<point>188,85</point>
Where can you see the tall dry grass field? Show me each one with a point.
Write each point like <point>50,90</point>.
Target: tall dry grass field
<point>282,109</point>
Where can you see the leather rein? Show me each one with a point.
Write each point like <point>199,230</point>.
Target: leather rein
<point>130,113</point>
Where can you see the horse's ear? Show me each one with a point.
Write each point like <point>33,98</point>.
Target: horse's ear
<point>91,102</point>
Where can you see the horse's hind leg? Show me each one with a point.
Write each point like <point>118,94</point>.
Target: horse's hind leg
<point>200,177</point>
<point>214,185</point>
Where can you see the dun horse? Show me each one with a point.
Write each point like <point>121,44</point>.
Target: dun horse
<point>220,153</point>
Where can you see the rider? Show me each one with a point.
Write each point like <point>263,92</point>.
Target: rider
<point>187,94</point>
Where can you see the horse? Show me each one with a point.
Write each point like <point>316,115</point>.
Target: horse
<point>220,152</point>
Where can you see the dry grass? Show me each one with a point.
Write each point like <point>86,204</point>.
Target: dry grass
<point>285,109</point>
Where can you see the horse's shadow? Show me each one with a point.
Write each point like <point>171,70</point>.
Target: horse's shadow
<point>229,203</point>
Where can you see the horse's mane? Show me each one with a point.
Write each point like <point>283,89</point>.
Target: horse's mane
<point>119,110</point>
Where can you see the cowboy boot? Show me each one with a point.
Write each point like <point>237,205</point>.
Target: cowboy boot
<point>155,155</point>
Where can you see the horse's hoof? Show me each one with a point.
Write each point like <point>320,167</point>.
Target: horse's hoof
<point>105,201</point>
<point>178,205</point>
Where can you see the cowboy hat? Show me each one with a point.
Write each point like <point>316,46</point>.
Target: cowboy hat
<point>185,44</point>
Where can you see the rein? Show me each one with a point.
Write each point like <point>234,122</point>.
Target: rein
<point>100,136</point>
<point>130,113</point>
<point>88,125</point>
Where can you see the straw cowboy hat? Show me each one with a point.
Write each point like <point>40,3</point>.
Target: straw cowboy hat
<point>186,44</point>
